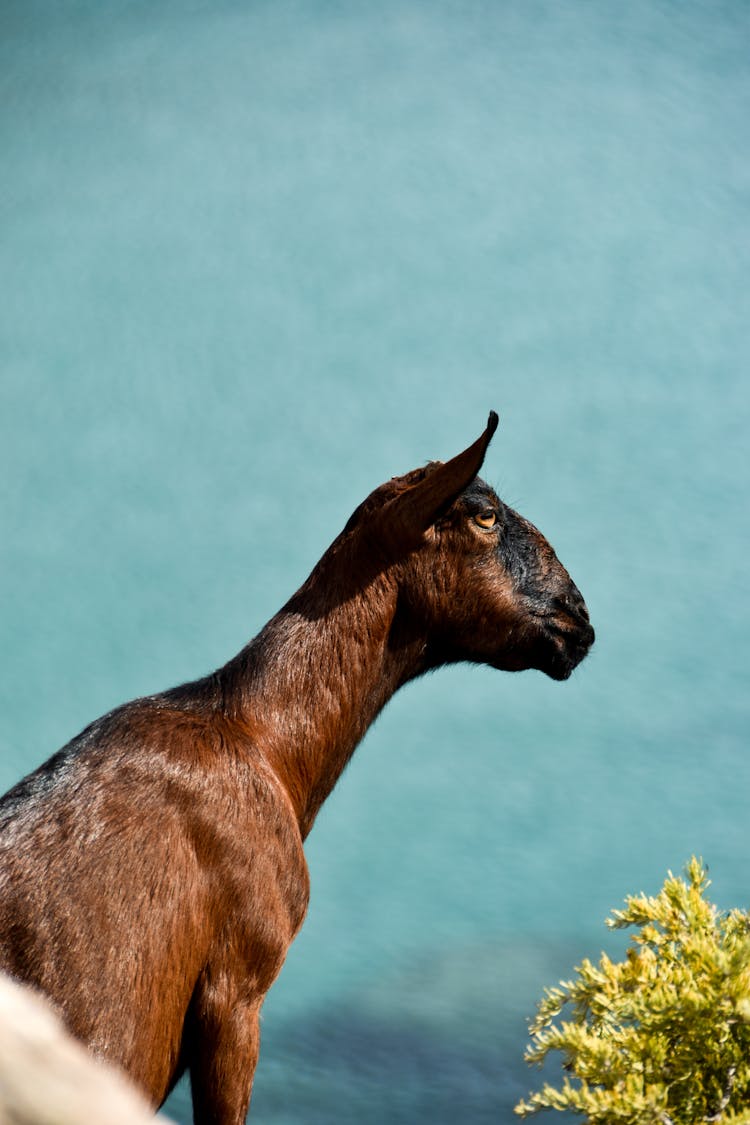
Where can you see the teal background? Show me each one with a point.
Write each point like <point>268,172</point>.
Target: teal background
<point>257,258</point>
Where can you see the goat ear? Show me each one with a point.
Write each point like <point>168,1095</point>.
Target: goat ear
<point>405,518</point>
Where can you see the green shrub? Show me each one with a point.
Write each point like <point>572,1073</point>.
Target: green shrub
<point>662,1037</point>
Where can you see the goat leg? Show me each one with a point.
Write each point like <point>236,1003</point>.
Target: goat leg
<point>224,1053</point>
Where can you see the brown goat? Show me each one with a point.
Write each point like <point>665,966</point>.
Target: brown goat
<point>152,875</point>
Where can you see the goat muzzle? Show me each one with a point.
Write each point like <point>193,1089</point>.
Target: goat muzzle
<point>567,636</point>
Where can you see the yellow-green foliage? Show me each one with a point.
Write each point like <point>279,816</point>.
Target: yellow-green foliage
<point>662,1037</point>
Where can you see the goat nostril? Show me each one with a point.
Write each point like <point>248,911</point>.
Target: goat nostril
<point>574,605</point>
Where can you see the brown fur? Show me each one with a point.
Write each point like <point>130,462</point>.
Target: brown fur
<point>152,874</point>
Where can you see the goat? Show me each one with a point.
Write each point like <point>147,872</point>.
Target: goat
<point>152,873</point>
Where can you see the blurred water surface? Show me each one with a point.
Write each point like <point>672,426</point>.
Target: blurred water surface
<point>259,257</point>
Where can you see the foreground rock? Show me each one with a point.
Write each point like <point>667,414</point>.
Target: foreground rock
<point>47,1078</point>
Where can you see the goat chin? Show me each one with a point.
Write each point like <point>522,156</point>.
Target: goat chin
<point>563,654</point>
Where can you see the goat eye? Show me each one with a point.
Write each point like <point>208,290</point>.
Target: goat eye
<point>486,519</point>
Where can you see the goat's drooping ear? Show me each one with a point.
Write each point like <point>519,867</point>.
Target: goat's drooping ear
<point>404,519</point>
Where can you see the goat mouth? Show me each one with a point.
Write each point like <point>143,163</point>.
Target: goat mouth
<point>564,647</point>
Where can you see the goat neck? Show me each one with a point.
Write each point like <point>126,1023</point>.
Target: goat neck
<point>314,679</point>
